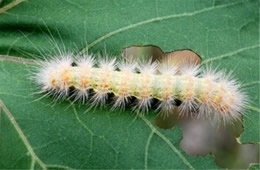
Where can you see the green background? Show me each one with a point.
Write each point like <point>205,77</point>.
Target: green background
<point>224,33</point>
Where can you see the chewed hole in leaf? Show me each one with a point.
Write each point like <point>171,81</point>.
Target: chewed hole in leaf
<point>146,52</point>
<point>200,137</point>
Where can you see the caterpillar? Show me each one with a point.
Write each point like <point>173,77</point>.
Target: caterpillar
<point>203,92</point>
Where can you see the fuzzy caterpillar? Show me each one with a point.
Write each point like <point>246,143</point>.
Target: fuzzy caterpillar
<point>210,94</point>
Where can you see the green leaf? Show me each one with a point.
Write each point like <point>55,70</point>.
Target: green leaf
<point>254,166</point>
<point>36,133</point>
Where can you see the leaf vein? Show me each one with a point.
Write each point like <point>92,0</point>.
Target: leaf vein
<point>229,54</point>
<point>131,26</point>
<point>147,149</point>
<point>10,5</point>
<point>167,141</point>
<point>17,59</point>
<point>21,135</point>
<point>86,128</point>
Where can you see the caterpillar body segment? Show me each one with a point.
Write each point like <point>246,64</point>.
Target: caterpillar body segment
<point>209,95</point>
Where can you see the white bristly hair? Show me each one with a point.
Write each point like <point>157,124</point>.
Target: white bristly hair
<point>147,70</point>
<point>85,64</point>
<point>166,69</point>
<point>190,70</point>
<point>51,69</point>
<point>166,107</point>
<point>189,104</point>
<point>107,66</point>
<point>204,93</point>
<point>127,68</point>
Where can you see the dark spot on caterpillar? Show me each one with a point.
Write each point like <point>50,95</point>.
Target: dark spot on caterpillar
<point>155,103</point>
<point>91,93</point>
<point>131,101</point>
<point>177,102</point>
<point>110,98</point>
<point>71,91</point>
<point>74,64</point>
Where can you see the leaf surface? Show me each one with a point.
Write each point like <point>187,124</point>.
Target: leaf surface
<point>39,134</point>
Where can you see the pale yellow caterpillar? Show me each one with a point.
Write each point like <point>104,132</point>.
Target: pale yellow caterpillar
<point>205,93</point>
